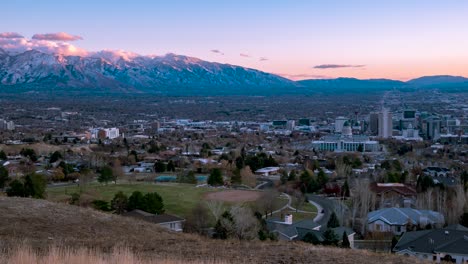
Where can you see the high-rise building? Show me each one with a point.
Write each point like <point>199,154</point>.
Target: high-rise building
<point>339,123</point>
<point>385,124</point>
<point>374,124</point>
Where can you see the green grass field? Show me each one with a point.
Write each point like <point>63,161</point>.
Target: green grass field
<point>179,199</point>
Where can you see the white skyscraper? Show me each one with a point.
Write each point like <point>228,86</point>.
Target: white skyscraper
<point>385,124</point>
<point>339,123</point>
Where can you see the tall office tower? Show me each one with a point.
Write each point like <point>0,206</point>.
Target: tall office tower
<point>339,122</point>
<point>374,124</point>
<point>385,124</point>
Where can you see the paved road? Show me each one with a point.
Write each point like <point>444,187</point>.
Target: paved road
<point>328,206</point>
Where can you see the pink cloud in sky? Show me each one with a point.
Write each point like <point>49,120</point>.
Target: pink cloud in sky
<point>60,36</point>
<point>10,35</point>
<point>263,59</point>
<point>18,45</point>
<point>244,55</point>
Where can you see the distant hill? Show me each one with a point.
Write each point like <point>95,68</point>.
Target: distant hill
<point>41,224</point>
<point>350,85</point>
<point>444,83</point>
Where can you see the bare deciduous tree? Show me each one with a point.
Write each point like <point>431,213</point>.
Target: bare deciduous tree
<point>216,208</point>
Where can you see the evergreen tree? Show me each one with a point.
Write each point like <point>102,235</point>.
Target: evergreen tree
<point>16,188</point>
<point>215,178</point>
<point>311,238</point>
<point>330,238</point>
<point>333,221</point>
<point>345,241</point>
<point>153,203</point>
<point>394,241</point>
<point>292,176</point>
<point>160,166</point>
<point>3,155</point>
<point>106,175</point>
<point>345,189</point>
<point>136,201</point>
<point>34,186</point>
<point>55,157</point>
<point>119,203</point>
<point>322,178</point>
<point>171,166</point>
<point>3,177</point>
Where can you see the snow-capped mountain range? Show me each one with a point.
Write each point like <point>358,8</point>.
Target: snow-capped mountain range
<point>128,72</point>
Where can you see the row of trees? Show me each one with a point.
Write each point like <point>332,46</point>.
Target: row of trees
<point>149,202</point>
<point>32,185</point>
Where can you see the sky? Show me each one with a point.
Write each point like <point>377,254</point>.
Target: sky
<point>298,39</point>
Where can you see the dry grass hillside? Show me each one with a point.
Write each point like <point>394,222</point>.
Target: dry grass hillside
<point>41,225</point>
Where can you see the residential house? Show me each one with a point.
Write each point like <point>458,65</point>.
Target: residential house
<point>447,244</point>
<point>267,171</point>
<point>168,221</point>
<point>286,229</point>
<point>393,194</point>
<point>399,220</point>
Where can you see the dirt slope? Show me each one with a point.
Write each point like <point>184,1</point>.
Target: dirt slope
<point>41,223</point>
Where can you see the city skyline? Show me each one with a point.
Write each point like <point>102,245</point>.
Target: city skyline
<point>299,40</point>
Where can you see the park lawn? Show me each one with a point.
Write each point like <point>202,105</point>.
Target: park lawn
<point>308,207</point>
<point>179,199</point>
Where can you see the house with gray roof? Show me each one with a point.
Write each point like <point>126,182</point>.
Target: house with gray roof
<point>447,244</point>
<point>286,229</point>
<point>397,220</point>
<point>168,221</point>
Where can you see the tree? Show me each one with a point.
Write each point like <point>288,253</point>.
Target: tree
<point>298,200</point>
<point>3,177</point>
<point>55,157</point>
<point>330,238</point>
<point>224,226</point>
<point>311,238</point>
<point>333,221</point>
<point>16,188</point>
<point>171,166</point>
<point>246,226</point>
<point>119,203</point>
<point>101,205</point>
<point>215,178</point>
<point>160,166</point>
<point>292,176</point>
<point>197,221</point>
<point>394,242</point>
<point>464,219</point>
<point>153,203</point>
<point>345,189</point>
<point>284,177</point>
<point>75,198</point>
<point>3,155</point>
<point>34,186</point>
<point>30,153</point>
<point>322,178</point>
<point>106,175</point>
<point>136,201</point>
<point>345,241</point>
<point>248,178</point>
<point>236,176</point>
<point>117,170</point>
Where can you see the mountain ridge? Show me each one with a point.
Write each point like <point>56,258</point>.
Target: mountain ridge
<point>172,74</point>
